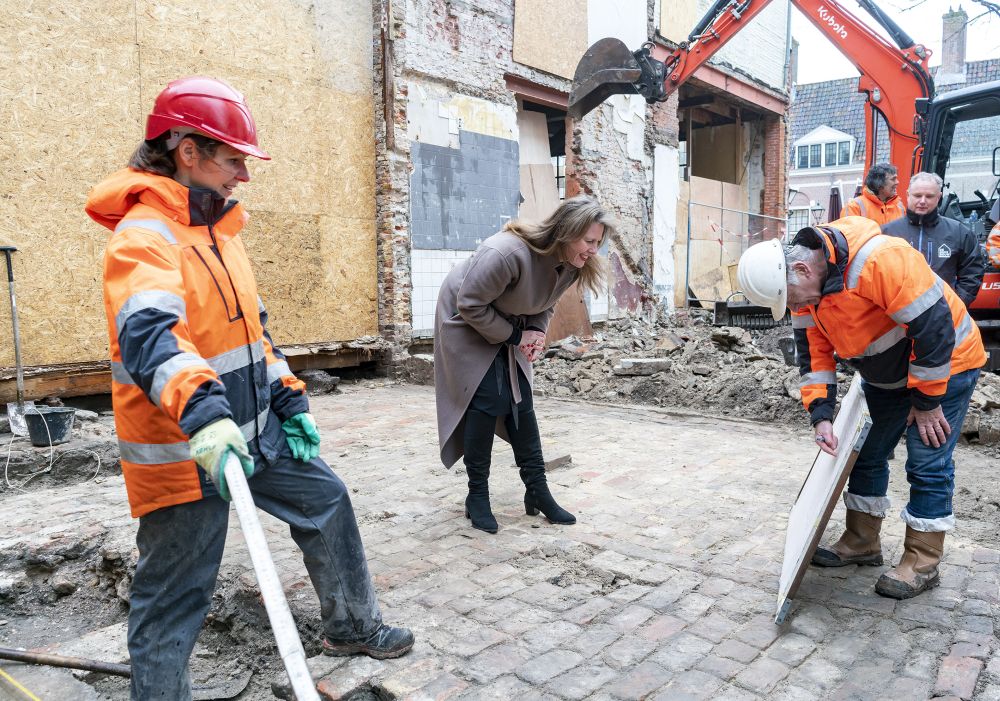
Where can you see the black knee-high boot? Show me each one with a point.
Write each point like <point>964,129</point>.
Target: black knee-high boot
<point>479,428</point>
<point>527,445</point>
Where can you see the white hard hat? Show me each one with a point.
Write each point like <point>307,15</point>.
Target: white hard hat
<point>761,276</point>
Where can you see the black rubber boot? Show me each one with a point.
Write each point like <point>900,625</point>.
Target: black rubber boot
<point>527,445</point>
<point>384,644</point>
<point>479,431</point>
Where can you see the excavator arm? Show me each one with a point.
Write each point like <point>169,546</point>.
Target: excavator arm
<point>892,76</point>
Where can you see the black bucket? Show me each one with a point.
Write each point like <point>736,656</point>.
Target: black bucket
<point>789,351</point>
<point>49,425</point>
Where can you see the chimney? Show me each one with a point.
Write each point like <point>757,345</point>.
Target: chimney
<point>953,34</point>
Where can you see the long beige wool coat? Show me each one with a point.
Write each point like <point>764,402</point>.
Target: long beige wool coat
<point>502,285</point>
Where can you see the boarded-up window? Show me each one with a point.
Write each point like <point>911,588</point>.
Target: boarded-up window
<point>550,36</point>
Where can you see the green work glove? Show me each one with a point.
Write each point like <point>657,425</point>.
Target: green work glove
<point>209,447</point>
<point>302,436</point>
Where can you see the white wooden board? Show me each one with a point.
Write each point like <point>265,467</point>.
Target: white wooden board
<point>819,493</point>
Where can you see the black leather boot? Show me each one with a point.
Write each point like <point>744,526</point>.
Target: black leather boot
<point>479,430</point>
<point>527,445</point>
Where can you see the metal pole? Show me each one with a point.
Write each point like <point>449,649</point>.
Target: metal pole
<point>293,656</point>
<point>120,670</point>
<point>7,250</point>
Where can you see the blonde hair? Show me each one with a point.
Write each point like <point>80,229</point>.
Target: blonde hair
<point>568,224</point>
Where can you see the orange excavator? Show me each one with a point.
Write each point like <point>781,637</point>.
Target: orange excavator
<point>921,128</point>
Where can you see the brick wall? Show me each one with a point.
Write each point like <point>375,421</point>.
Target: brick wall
<point>442,51</point>
<point>391,177</point>
<point>775,166</point>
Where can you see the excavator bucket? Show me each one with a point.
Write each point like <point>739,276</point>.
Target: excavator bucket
<point>608,68</point>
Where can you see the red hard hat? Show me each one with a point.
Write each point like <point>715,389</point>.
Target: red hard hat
<point>209,106</point>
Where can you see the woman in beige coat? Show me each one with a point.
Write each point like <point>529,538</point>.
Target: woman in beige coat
<point>492,313</point>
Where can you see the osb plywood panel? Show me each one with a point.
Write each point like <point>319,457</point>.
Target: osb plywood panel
<point>60,86</point>
<point>321,140</point>
<point>710,253</point>
<point>550,36</point>
<point>717,153</point>
<point>307,76</point>
<point>680,245</point>
<point>677,19</point>
<point>325,251</point>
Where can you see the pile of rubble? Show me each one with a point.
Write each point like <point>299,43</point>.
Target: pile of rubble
<point>684,362</point>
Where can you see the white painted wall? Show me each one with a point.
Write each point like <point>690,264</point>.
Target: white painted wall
<point>760,48</point>
<point>666,187</point>
<point>622,19</point>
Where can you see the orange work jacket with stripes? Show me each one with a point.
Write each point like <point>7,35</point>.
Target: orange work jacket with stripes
<point>884,310</point>
<point>993,246</point>
<point>188,336</point>
<point>868,205</point>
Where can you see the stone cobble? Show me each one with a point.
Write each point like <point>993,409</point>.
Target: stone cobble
<point>664,589</point>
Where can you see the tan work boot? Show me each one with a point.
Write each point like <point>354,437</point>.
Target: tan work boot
<point>860,544</point>
<point>917,570</point>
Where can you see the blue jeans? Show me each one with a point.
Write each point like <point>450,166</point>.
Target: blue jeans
<point>929,470</point>
<point>180,550</point>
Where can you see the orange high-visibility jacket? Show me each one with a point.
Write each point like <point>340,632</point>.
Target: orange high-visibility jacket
<point>993,246</point>
<point>868,205</point>
<point>883,308</point>
<point>187,334</point>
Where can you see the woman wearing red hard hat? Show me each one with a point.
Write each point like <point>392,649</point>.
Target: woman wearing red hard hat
<point>195,377</point>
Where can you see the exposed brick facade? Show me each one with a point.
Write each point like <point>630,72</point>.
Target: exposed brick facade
<point>775,167</point>
<point>431,53</point>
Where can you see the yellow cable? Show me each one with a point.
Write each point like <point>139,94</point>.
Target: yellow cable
<point>17,685</point>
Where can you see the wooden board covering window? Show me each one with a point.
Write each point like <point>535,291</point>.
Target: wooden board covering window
<point>550,36</point>
<point>74,105</point>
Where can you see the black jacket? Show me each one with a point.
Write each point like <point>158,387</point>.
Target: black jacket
<point>950,247</point>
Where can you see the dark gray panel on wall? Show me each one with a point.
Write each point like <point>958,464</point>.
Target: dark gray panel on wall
<point>458,197</point>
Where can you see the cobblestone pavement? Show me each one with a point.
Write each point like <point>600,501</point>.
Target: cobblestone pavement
<point>664,589</point>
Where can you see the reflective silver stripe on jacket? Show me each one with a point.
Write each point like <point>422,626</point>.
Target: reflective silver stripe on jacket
<point>237,358</point>
<point>803,322</point>
<point>260,305</point>
<point>151,224</point>
<point>159,300</point>
<point>253,429</point>
<point>921,304</point>
<point>169,369</point>
<point>885,341</point>
<point>940,372</point>
<point>154,453</point>
<point>854,269</point>
<point>963,330</point>
<point>119,374</point>
<point>861,205</point>
<point>275,371</point>
<point>899,384</point>
<point>823,377</point>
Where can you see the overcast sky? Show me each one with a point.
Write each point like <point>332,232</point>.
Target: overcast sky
<point>921,19</point>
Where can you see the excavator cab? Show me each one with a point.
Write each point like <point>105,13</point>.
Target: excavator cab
<point>960,139</point>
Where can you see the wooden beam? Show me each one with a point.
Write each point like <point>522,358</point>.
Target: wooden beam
<point>533,92</point>
<point>695,101</point>
<point>347,358</point>
<point>59,381</point>
<point>80,380</point>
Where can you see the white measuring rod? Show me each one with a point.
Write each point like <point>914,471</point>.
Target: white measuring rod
<point>293,656</point>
